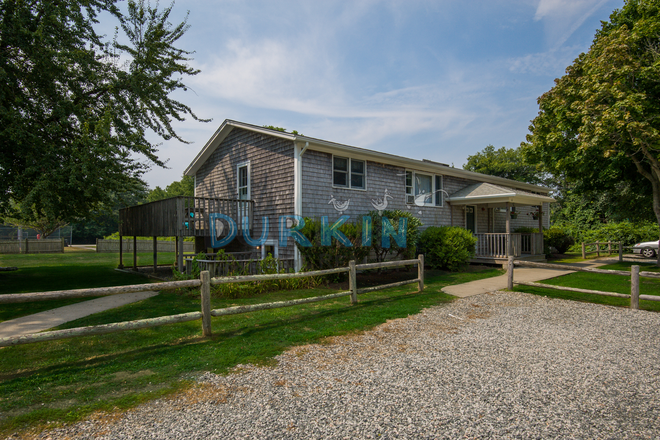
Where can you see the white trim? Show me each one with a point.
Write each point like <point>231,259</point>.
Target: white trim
<point>240,165</point>
<point>475,218</point>
<point>348,173</point>
<point>273,243</point>
<point>297,197</point>
<point>434,190</point>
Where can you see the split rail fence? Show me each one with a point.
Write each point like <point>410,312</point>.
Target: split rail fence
<point>603,246</point>
<point>206,313</point>
<point>634,275</point>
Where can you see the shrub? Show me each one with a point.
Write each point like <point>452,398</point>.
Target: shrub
<point>412,235</point>
<point>626,232</point>
<point>447,247</point>
<point>558,238</point>
<point>318,257</point>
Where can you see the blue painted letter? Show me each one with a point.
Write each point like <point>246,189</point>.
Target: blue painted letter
<point>398,236</point>
<point>215,232</point>
<point>293,232</point>
<point>264,232</point>
<point>327,232</point>
<point>366,230</point>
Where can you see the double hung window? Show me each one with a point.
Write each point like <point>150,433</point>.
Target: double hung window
<point>424,189</point>
<point>348,173</point>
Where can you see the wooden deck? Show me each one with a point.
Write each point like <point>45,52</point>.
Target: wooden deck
<point>182,216</point>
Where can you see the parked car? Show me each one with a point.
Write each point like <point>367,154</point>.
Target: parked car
<point>648,249</point>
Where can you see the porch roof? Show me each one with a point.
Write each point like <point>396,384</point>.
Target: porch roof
<point>495,196</point>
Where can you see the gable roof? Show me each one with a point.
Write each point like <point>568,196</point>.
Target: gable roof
<point>495,195</point>
<point>355,152</point>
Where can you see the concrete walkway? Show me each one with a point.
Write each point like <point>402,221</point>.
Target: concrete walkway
<point>527,274</point>
<point>52,318</point>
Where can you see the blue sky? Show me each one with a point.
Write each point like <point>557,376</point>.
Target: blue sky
<point>438,80</point>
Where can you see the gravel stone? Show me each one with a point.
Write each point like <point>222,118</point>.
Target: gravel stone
<point>502,365</point>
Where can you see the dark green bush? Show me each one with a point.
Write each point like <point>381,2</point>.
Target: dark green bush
<point>627,232</point>
<point>394,251</point>
<point>318,257</point>
<point>558,238</point>
<point>447,247</point>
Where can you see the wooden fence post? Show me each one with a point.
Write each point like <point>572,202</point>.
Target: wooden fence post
<point>584,252</point>
<point>620,251</point>
<point>609,248</point>
<point>206,302</point>
<point>420,273</point>
<point>509,273</point>
<point>598,248</point>
<point>352,281</point>
<point>634,287</point>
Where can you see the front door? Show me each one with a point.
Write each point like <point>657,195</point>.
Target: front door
<point>470,219</point>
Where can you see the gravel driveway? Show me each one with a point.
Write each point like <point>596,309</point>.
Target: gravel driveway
<point>503,365</point>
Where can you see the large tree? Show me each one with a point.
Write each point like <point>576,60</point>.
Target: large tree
<point>504,162</point>
<point>78,112</point>
<point>600,123</point>
<point>183,187</point>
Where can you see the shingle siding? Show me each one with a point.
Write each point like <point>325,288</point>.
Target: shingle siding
<point>271,176</point>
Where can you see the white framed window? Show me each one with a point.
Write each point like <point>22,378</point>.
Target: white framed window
<point>349,173</point>
<point>270,247</point>
<point>243,180</point>
<point>424,189</point>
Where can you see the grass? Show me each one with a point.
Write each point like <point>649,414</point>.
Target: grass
<point>64,381</point>
<point>602,282</point>
<point>71,270</point>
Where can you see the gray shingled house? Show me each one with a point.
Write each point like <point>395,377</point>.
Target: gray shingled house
<point>284,174</point>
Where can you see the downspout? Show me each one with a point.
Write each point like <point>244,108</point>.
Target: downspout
<point>297,194</point>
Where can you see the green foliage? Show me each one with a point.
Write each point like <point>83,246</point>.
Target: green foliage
<point>447,247</point>
<point>598,126</point>
<point>505,162</point>
<point>78,113</point>
<point>394,251</point>
<point>318,257</point>
<point>626,232</point>
<point>558,238</point>
<point>184,187</point>
<point>234,267</point>
<point>283,130</point>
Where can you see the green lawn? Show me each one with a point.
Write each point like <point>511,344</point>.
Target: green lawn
<point>71,270</point>
<point>602,282</point>
<point>66,380</point>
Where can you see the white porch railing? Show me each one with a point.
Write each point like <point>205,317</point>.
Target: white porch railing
<point>495,245</point>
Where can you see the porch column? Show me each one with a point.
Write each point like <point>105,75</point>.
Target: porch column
<point>180,256</point>
<point>121,251</point>
<point>155,249</point>
<point>508,230</point>
<point>540,251</point>
<point>451,214</point>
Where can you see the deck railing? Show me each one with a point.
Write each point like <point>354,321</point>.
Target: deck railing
<point>495,244</point>
<point>182,216</point>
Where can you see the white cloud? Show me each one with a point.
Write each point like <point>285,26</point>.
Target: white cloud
<point>552,62</point>
<point>563,17</point>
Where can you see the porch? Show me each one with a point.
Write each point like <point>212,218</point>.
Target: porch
<point>492,213</point>
<point>492,248</point>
